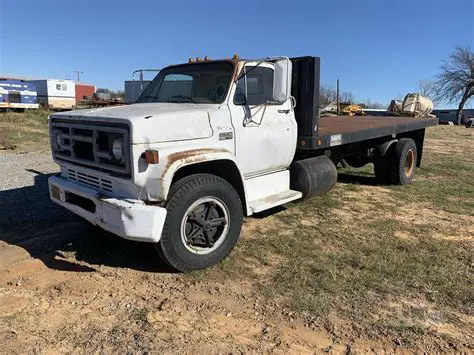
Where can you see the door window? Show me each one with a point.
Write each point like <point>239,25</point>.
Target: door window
<point>255,88</point>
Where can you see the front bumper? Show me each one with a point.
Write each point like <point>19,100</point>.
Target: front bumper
<point>130,219</point>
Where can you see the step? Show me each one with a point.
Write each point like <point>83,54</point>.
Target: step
<point>274,200</point>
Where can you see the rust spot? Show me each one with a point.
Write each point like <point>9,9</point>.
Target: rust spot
<point>237,69</point>
<point>191,156</point>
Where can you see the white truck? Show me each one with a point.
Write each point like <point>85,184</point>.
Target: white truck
<point>209,142</point>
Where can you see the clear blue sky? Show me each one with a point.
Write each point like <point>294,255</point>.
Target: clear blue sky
<point>378,48</point>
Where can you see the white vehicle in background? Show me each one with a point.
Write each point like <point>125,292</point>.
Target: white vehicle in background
<point>56,94</point>
<point>211,141</point>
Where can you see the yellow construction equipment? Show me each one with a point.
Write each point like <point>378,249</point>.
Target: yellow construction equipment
<point>353,110</point>
<point>345,108</point>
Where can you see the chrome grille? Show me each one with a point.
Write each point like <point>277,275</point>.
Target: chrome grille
<point>90,145</point>
<point>96,182</point>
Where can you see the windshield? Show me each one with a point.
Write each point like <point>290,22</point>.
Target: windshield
<point>195,83</point>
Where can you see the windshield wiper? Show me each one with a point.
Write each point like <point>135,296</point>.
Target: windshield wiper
<point>245,72</point>
<point>181,98</point>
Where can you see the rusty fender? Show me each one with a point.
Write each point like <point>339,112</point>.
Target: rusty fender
<point>158,187</point>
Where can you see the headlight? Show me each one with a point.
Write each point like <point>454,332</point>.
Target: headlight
<point>58,140</point>
<point>117,149</point>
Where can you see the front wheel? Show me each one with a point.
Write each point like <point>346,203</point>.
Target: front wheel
<point>203,222</point>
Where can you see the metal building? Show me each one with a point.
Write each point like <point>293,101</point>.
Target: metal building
<point>84,91</point>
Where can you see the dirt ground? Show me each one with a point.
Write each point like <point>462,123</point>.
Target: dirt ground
<point>323,276</point>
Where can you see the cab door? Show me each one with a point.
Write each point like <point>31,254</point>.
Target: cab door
<point>265,131</point>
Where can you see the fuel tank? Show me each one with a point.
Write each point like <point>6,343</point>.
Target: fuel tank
<point>313,176</point>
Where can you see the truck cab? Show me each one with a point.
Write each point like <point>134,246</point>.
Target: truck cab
<point>206,143</point>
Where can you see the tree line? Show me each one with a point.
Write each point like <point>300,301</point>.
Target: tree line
<point>328,95</point>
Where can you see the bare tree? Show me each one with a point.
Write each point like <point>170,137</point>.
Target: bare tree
<point>103,90</point>
<point>455,83</point>
<point>426,88</point>
<point>373,104</point>
<point>327,95</point>
<point>346,96</point>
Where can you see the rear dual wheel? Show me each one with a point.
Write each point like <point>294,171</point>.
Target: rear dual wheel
<point>203,222</point>
<point>397,165</point>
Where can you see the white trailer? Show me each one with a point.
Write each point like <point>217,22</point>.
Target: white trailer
<point>56,94</point>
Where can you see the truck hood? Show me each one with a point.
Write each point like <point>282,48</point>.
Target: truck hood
<point>154,122</point>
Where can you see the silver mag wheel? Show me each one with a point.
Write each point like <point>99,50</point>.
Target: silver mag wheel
<point>205,225</point>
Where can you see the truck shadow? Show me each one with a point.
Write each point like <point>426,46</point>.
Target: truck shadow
<point>63,241</point>
<point>358,178</point>
<point>355,178</point>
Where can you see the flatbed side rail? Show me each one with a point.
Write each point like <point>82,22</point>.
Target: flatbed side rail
<point>335,134</point>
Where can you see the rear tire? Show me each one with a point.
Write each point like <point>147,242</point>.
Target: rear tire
<point>404,162</point>
<point>203,222</point>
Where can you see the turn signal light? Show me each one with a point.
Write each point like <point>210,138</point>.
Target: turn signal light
<point>151,156</point>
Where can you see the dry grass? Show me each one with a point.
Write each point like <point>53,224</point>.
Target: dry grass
<point>375,261</point>
<point>26,131</point>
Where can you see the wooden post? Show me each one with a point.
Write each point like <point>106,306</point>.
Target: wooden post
<point>337,96</point>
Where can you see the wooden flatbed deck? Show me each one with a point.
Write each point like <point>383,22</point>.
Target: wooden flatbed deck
<point>338,130</point>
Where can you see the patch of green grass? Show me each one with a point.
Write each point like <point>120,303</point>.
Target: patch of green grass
<point>27,130</point>
<point>444,182</point>
<point>40,116</point>
<point>32,117</point>
<point>19,136</point>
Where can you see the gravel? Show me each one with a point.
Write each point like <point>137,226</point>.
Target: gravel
<point>25,205</point>
<point>21,170</point>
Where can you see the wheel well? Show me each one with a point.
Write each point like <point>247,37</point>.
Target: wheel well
<point>225,169</point>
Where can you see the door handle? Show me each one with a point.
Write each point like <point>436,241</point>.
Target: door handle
<point>284,111</point>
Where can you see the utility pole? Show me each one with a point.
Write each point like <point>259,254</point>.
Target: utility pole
<point>78,72</point>
<point>337,96</point>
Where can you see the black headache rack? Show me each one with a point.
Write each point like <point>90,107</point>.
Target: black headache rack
<point>315,132</point>
<point>305,89</point>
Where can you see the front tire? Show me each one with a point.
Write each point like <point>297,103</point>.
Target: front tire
<point>203,222</point>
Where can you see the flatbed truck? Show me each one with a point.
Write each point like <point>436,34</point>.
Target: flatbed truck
<point>211,141</point>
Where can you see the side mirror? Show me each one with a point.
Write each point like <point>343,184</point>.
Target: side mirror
<point>282,80</point>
